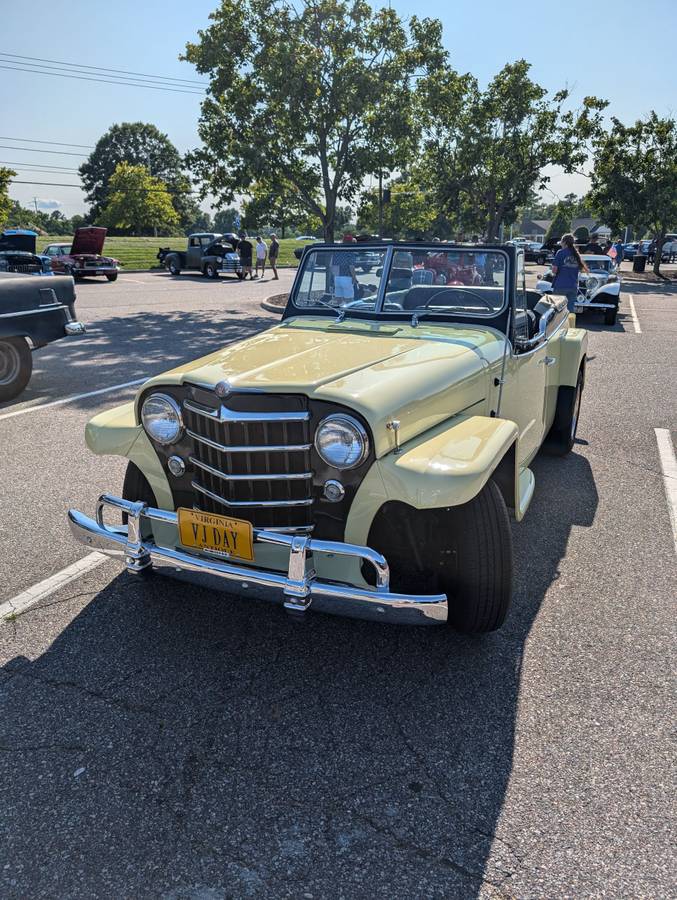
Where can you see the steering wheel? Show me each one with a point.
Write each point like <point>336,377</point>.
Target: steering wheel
<point>472,293</point>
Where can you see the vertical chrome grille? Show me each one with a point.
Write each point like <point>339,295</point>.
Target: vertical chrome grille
<point>251,457</point>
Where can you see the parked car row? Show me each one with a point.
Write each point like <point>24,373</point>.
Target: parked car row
<point>80,258</point>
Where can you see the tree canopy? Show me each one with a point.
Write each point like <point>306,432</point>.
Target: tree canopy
<point>317,99</point>
<point>634,176</point>
<point>486,150</point>
<point>561,222</point>
<point>6,176</point>
<point>139,144</point>
<point>138,202</point>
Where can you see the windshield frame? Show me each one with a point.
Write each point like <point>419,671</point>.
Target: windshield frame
<point>391,248</point>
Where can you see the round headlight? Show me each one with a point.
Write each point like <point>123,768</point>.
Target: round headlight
<point>161,417</point>
<point>341,441</point>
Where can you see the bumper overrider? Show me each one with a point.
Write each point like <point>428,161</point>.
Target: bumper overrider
<point>298,590</point>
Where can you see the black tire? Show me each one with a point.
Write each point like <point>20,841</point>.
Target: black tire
<point>480,591</point>
<point>16,366</point>
<point>610,316</point>
<point>112,277</point>
<point>211,271</point>
<point>562,434</point>
<point>174,267</point>
<point>540,261</point>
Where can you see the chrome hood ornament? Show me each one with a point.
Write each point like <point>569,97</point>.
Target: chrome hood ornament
<point>223,389</point>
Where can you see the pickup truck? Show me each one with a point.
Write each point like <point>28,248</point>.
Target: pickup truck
<point>208,253</point>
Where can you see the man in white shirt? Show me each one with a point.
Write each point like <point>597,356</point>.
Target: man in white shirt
<point>261,253</point>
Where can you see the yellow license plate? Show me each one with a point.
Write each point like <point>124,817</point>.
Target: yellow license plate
<point>218,534</point>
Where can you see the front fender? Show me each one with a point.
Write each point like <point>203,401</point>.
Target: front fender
<point>612,289</point>
<point>446,466</point>
<point>115,432</point>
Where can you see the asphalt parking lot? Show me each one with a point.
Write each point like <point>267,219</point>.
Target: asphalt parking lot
<point>186,745</point>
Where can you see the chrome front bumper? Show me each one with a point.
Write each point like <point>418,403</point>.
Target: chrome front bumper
<point>298,590</point>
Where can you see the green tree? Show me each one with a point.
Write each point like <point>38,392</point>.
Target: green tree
<point>582,235</point>
<point>6,176</point>
<point>140,144</point>
<point>315,100</point>
<point>409,214</point>
<point>485,151</point>
<point>634,177</point>
<point>225,219</point>
<point>560,224</point>
<point>138,203</point>
<point>275,204</point>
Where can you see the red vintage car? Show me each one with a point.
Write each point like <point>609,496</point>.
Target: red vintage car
<point>83,256</point>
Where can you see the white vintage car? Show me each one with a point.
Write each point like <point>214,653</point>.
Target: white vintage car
<point>598,288</point>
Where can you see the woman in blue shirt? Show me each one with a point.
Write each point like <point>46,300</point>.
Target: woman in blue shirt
<point>567,265</point>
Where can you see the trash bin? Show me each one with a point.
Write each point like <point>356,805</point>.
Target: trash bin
<point>638,263</point>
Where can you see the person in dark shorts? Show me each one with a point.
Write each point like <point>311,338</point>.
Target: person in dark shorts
<point>245,249</point>
<point>273,253</point>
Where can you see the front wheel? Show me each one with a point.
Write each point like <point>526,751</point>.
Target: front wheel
<point>211,271</point>
<point>16,366</point>
<point>113,276</point>
<point>562,434</point>
<point>480,590</point>
<point>610,316</point>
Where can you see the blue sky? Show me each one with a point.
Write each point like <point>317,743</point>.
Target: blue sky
<point>622,51</point>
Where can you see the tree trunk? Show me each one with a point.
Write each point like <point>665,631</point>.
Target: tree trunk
<point>659,253</point>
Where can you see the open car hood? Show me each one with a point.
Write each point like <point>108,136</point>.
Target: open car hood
<point>88,240</point>
<point>18,239</point>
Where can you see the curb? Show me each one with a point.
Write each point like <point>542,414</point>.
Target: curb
<point>272,307</point>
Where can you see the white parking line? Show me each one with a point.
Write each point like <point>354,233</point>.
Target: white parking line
<point>39,406</point>
<point>633,312</point>
<point>50,585</point>
<point>666,452</point>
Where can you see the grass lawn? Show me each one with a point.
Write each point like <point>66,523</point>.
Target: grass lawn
<point>140,252</point>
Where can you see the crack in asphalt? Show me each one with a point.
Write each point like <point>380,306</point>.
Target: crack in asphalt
<point>65,748</point>
<point>424,853</point>
<point>87,692</point>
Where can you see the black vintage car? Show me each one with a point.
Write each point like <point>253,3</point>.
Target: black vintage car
<point>34,311</point>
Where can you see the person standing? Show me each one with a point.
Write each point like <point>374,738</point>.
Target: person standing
<point>620,251</point>
<point>273,253</point>
<point>261,253</point>
<point>244,248</point>
<point>593,247</point>
<point>567,265</point>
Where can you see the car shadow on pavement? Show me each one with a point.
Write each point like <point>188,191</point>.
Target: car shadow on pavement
<point>119,349</point>
<point>172,740</point>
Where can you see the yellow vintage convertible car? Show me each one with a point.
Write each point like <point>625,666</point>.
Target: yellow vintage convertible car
<point>362,456</point>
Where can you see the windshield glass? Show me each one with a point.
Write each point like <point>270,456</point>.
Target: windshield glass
<point>598,264</point>
<point>459,281</point>
<point>340,278</point>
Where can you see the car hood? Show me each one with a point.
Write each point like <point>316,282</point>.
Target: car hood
<point>23,241</point>
<point>88,240</point>
<point>420,376</point>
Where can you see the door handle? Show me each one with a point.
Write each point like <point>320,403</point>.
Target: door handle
<point>548,360</point>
